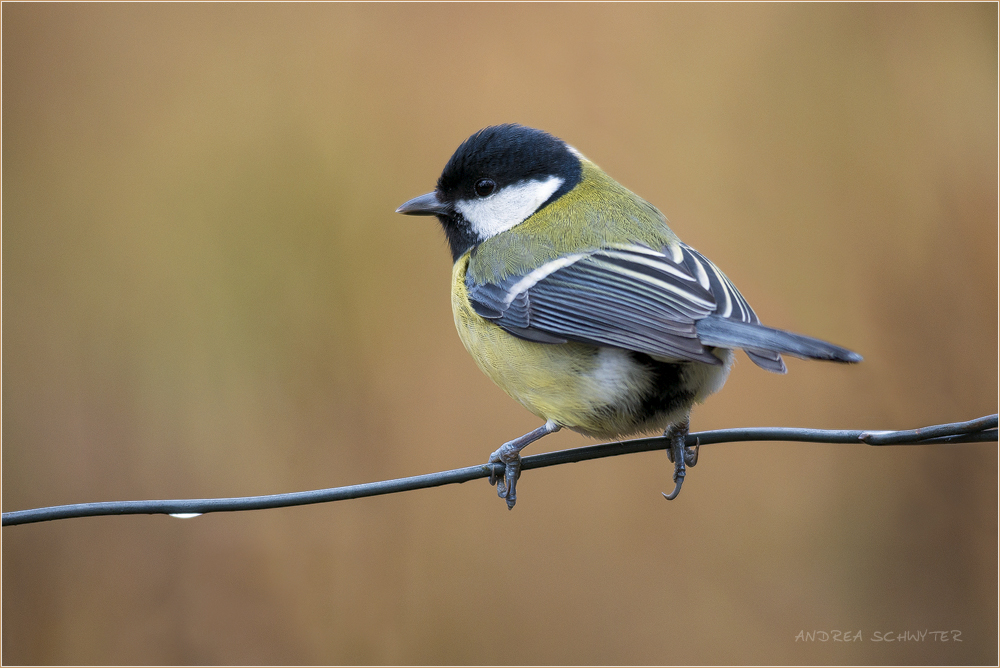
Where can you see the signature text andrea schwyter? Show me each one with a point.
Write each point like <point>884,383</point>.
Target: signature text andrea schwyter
<point>879,636</point>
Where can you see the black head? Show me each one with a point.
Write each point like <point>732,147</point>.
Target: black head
<point>496,179</point>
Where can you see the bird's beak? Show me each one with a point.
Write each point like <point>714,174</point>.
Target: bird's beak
<point>425,205</point>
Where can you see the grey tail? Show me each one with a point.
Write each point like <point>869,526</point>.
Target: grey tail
<point>764,345</point>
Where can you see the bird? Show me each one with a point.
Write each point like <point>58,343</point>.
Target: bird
<point>576,298</point>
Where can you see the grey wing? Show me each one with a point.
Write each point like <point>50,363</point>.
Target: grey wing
<point>629,297</point>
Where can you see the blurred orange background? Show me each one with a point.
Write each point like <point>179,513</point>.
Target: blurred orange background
<point>206,293</point>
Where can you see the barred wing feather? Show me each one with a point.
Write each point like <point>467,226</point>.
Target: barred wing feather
<point>629,297</point>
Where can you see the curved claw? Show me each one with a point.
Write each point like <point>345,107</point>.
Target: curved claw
<point>505,486</point>
<point>691,455</point>
<point>680,458</point>
<point>677,490</point>
<point>680,455</point>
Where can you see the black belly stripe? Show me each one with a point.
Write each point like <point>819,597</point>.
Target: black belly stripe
<point>667,392</point>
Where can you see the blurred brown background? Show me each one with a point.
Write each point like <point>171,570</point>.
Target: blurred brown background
<point>207,293</point>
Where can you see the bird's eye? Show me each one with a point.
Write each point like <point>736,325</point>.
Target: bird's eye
<point>485,187</point>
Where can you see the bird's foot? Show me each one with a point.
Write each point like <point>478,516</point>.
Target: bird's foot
<point>680,455</point>
<point>690,455</point>
<point>510,457</point>
<point>509,454</point>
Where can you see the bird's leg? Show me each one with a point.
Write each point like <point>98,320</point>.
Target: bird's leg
<point>509,454</point>
<point>680,455</point>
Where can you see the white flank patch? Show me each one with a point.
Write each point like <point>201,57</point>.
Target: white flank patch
<point>707,378</point>
<point>507,207</point>
<point>618,376</point>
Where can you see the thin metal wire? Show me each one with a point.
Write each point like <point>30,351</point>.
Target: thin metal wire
<point>981,430</point>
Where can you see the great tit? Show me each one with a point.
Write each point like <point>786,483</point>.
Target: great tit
<point>574,296</point>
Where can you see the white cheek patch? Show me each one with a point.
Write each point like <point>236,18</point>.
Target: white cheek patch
<point>507,207</point>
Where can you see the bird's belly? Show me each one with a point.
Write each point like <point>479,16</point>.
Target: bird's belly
<point>599,391</point>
